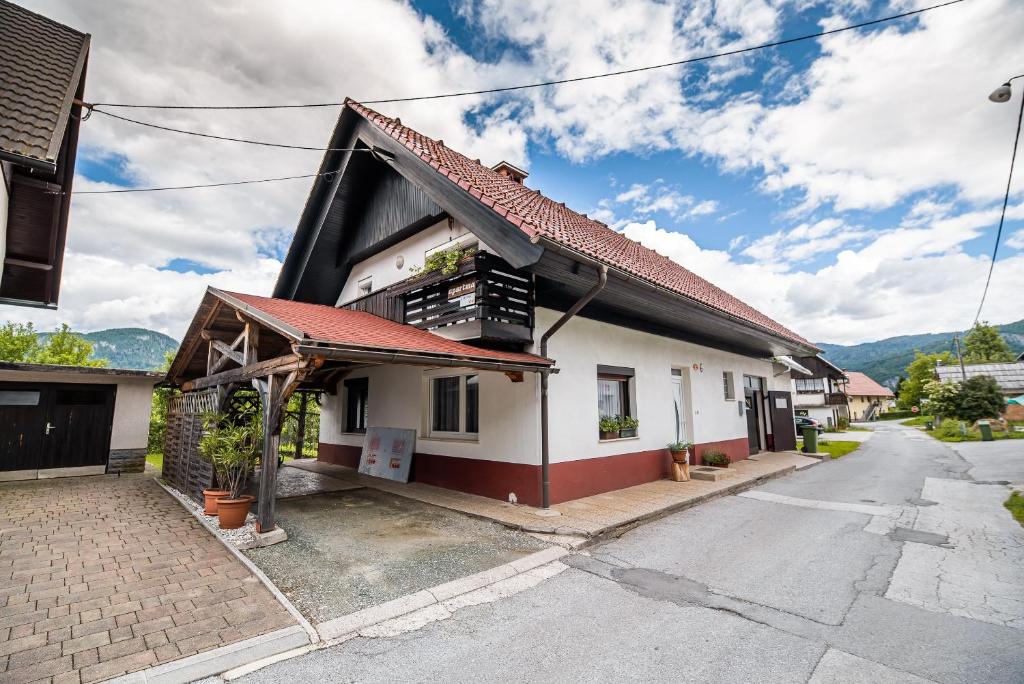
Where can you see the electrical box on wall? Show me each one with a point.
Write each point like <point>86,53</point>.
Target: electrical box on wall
<point>740,405</point>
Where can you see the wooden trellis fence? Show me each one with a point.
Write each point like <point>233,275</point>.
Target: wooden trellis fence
<point>184,469</point>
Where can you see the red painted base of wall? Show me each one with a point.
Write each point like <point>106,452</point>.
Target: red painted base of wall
<point>569,479</point>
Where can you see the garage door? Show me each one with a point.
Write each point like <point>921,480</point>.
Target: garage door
<point>54,429</point>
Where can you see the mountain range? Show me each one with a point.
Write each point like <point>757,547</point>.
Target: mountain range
<point>885,360</point>
<point>135,348</point>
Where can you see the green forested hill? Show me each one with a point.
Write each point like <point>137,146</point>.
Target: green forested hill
<point>129,347</point>
<point>886,359</point>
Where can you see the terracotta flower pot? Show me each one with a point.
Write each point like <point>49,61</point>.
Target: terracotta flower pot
<point>680,456</point>
<point>232,512</point>
<point>609,435</point>
<point>210,497</point>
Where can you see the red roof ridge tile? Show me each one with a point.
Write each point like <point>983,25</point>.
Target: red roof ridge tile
<point>531,211</point>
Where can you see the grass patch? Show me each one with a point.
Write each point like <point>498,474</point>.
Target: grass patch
<point>156,460</point>
<point>857,428</point>
<point>949,431</point>
<point>1015,504</point>
<point>920,420</point>
<point>837,449</point>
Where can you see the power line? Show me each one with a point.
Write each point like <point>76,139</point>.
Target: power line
<point>1002,215</point>
<point>202,185</point>
<point>542,84</point>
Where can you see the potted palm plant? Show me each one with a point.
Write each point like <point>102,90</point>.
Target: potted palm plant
<point>236,447</point>
<point>208,446</point>
<point>609,427</point>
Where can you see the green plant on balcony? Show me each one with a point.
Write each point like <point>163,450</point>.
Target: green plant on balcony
<point>445,261</point>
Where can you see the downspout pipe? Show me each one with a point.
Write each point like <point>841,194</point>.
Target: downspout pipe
<point>602,280</point>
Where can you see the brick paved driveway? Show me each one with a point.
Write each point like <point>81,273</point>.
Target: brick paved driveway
<point>100,576</point>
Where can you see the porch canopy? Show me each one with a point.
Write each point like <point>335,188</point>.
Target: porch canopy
<point>279,346</point>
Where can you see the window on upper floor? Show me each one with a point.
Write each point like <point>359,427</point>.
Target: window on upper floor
<point>810,385</point>
<point>365,286</point>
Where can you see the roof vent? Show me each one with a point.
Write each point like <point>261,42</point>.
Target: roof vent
<point>509,171</point>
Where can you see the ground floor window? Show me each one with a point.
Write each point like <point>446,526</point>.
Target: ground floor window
<point>357,395</point>
<point>454,405</point>
<point>615,399</point>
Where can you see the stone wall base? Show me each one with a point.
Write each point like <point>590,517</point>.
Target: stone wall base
<point>126,461</point>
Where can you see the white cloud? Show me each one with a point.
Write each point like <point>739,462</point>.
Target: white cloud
<point>1016,241</point>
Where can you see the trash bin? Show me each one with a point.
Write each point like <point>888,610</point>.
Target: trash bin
<point>986,430</point>
<point>929,425</point>
<point>810,440</point>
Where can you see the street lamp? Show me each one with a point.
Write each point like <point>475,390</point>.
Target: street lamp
<point>1003,92</point>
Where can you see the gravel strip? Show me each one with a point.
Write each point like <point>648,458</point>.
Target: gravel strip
<point>242,538</point>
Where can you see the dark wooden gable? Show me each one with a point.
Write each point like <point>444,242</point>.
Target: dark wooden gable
<point>374,208</point>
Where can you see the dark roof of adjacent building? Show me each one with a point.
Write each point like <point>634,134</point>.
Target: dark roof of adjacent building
<point>539,216</point>
<point>1009,376</point>
<point>41,66</point>
<point>80,370</point>
<point>861,385</point>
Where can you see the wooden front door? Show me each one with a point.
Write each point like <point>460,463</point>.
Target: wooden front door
<point>45,426</point>
<point>783,428</point>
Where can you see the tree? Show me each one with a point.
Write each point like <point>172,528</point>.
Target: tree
<point>943,398</point>
<point>980,398</point>
<point>65,348</point>
<point>984,344</point>
<point>920,371</point>
<point>18,341</point>
<point>158,410</point>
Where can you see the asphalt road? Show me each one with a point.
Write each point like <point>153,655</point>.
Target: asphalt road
<point>891,564</point>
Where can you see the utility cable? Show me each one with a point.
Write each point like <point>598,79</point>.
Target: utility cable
<point>542,84</point>
<point>202,185</point>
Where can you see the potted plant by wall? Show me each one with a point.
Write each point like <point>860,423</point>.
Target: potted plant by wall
<point>680,451</point>
<point>208,445</point>
<point>628,426</point>
<point>715,459</point>
<point>238,451</point>
<point>609,426</point>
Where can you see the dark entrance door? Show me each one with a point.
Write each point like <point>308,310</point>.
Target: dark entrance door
<point>44,426</point>
<point>753,429</point>
<point>783,429</point>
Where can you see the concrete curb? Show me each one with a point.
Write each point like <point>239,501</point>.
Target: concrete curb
<point>311,632</point>
<point>339,628</point>
<point>218,660</point>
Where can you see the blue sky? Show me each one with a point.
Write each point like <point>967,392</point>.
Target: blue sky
<point>848,187</point>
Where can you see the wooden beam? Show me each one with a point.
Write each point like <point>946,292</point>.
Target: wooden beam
<point>227,353</point>
<point>279,364</point>
<point>268,391</point>
<point>252,343</point>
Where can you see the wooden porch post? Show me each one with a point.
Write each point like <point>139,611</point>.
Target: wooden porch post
<point>269,389</point>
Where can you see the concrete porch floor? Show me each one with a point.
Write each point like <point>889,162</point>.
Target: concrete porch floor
<point>588,517</point>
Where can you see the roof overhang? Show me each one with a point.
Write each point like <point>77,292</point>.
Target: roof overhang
<point>791,365</point>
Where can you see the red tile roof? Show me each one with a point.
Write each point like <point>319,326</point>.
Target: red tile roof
<point>862,386</point>
<point>535,214</point>
<point>360,329</point>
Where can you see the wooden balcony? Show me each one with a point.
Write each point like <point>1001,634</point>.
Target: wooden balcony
<point>485,300</point>
<point>835,399</point>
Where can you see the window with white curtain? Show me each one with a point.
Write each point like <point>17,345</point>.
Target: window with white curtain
<point>454,405</point>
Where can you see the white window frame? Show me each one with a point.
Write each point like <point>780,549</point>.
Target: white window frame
<point>729,385</point>
<point>365,286</point>
<point>428,418</point>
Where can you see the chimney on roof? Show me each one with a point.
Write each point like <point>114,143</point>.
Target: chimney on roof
<point>509,171</point>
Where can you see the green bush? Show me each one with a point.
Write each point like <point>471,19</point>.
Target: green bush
<point>980,397</point>
<point>896,415</point>
<point>715,458</point>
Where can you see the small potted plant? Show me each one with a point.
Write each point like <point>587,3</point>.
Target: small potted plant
<point>680,451</point>
<point>715,459</point>
<point>628,426</point>
<point>609,427</point>
<point>209,443</point>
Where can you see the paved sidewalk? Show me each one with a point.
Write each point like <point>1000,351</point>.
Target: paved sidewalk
<point>101,576</point>
<point>591,516</point>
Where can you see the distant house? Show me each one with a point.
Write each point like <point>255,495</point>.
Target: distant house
<point>821,393</point>
<point>42,74</point>
<point>429,292</point>
<point>1009,376</point>
<point>866,397</point>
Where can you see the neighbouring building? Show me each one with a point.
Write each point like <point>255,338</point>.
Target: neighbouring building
<point>424,290</point>
<point>1009,376</point>
<point>57,421</point>
<point>820,393</point>
<point>42,78</point>
<point>866,397</point>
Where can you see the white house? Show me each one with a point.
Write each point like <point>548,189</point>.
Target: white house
<point>820,393</point>
<point>426,291</point>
